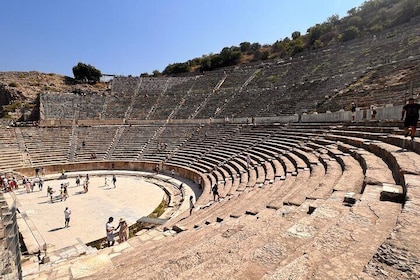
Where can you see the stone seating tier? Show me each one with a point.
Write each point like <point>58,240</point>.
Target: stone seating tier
<point>328,163</point>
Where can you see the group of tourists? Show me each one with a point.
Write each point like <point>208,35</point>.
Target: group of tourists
<point>8,184</point>
<point>122,230</point>
<point>62,196</point>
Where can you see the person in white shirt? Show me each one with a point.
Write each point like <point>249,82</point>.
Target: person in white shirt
<point>67,213</point>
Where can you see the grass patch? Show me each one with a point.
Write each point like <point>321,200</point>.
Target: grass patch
<point>159,210</point>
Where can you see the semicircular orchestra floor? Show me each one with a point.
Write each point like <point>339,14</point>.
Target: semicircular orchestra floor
<point>132,198</point>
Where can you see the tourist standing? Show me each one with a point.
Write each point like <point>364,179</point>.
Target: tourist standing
<point>67,213</point>
<point>373,112</point>
<point>123,230</point>
<point>114,180</point>
<point>110,232</point>
<point>411,113</point>
<point>353,111</point>
<point>215,190</point>
<point>191,204</point>
<point>78,181</point>
<point>40,183</point>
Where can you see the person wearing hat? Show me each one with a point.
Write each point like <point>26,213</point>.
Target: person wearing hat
<point>123,230</point>
<point>411,112</point>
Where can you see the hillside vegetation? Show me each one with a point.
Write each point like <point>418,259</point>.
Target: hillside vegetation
<point>370,18</point>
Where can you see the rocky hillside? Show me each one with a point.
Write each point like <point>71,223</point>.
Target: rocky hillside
<point>19,91</point>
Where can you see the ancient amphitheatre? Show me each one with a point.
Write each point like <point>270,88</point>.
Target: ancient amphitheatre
<point>322,198</point>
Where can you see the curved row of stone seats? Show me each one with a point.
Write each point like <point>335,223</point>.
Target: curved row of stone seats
<point>246,204</point>
<point>389,132</point>
<point>236,103</point>
<point>371,193</point>
<point>125,85</point>
<point>336,151</point>
<point>353,173</point>
<point>272,158</point>
<point>375,169</point>
<point>123,91</point>
<point>227,172</point>
<point>230,234</point>
<point>316,173</point>
<point>214,210</point>
<point>93,140</point>
<point>11,156</point>
<point>365,158</point>
<point>401,161</point>
<point>148,93</point>
<point>46,145</point>
<point>199,95</point>
<point>206,92</point>
<point>402,164</point>
<point>382,217</point>
<point>201,142</point>
<point>213,103</point>
<point>251,201</point>
<point>330,224</point>
<point>173,97</point>
<point>167,139</point>
<point>131,142</point>
<point>236,77</point>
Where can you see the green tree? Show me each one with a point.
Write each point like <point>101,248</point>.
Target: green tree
<point>255,46</point>
<point>229,56</point>
<point>334,19</point>
<point>156,73</point>
<point>314,33</point>
<point>354,21</point>
<point>296,46</point>
<point>245,47</point>
<point>205,64</point>
<point>295,35</point>
<point>86,72</point>
<point>177,68</point>
<point>350,33</point>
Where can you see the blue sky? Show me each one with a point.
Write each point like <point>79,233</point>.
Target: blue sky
<point>130,37</point>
